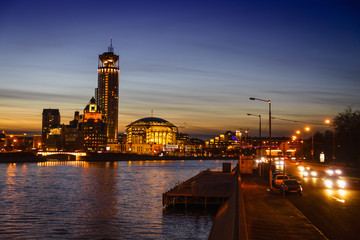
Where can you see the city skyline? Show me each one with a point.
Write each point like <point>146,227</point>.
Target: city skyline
<point>193,64</point>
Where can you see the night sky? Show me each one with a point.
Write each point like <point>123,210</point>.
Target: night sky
<point>194,63</point>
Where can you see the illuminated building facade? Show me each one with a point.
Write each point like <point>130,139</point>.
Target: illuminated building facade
<point>54,140</point>
<point>151,135</point>
<point>37,141</point>
<point>107,92</point>
<point>2,141</point>
<point>72,136</point>
<point>50,120</point>
<point>189,146</point>
<point>16,142</point>
<point>93,128</point>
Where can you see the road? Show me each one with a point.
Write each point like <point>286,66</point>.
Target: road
<point>334,211</point>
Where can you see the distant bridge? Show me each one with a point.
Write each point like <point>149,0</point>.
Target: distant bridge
<point>58,153</point>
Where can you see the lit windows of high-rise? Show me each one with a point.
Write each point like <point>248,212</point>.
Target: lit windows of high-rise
<point>107,92</point>
<point>50,120</point>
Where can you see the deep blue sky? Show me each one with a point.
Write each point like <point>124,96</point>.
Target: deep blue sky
<point>195,63</point>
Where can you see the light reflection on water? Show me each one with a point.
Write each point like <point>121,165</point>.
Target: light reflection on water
<point>97,200</point>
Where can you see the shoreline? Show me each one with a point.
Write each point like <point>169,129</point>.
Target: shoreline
<point>24,157</point>
<point>20,157</point>
<point>96,157</point>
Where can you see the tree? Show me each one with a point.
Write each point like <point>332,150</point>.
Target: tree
<point>347,132</point>
<point>322,144</point>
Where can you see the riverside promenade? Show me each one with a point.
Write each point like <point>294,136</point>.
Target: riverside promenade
<point>255,212</point>
<point>270,216</point>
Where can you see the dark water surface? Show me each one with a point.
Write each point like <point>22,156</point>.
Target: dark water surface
<point>98,200</point>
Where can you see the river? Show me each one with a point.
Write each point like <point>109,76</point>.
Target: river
<point>98,200</point>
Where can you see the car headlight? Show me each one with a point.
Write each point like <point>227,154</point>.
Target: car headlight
<point>341,183</point>
<point>338,171</point>
<point>314,174</point>
<point>330,172</point>
<point>328,183</point>
<point>306,174</point>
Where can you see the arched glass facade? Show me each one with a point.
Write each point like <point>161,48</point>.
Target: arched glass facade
<point>151,130</point>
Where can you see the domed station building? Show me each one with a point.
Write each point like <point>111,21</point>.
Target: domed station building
<point>151,135</point>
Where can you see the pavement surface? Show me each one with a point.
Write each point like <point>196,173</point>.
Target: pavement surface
<point>270,216</point>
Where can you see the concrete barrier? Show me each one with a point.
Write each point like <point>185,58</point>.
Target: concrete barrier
<point>230,221</point>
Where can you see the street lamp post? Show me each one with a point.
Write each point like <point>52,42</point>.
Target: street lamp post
<point>308,129</point>
<point>246,136</point>
<point>294,138</point>
<point>249,114</point>
<point>269,102</point>
<point>327,121</point>
<point>302,143</point>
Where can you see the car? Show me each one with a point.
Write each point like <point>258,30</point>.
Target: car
<point>279,162</point>
<point>309,173</point>
<point>274,175</point>
<point>334,182</point>
<point>333,171</point>
<point>303,167</point>
<point>299,162</point>
<point>279,179</point>
<point>291,186</point>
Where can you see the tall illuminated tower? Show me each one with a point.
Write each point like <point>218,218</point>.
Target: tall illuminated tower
<point>107,92</point>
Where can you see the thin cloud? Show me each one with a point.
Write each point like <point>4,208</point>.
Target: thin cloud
<point>12,94</point>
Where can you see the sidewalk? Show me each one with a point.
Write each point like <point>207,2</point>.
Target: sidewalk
<point>268,216</point>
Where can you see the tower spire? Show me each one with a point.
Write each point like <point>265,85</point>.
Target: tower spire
<point>110,48</point>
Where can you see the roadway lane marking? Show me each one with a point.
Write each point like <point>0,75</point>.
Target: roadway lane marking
<point>339,200</point>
